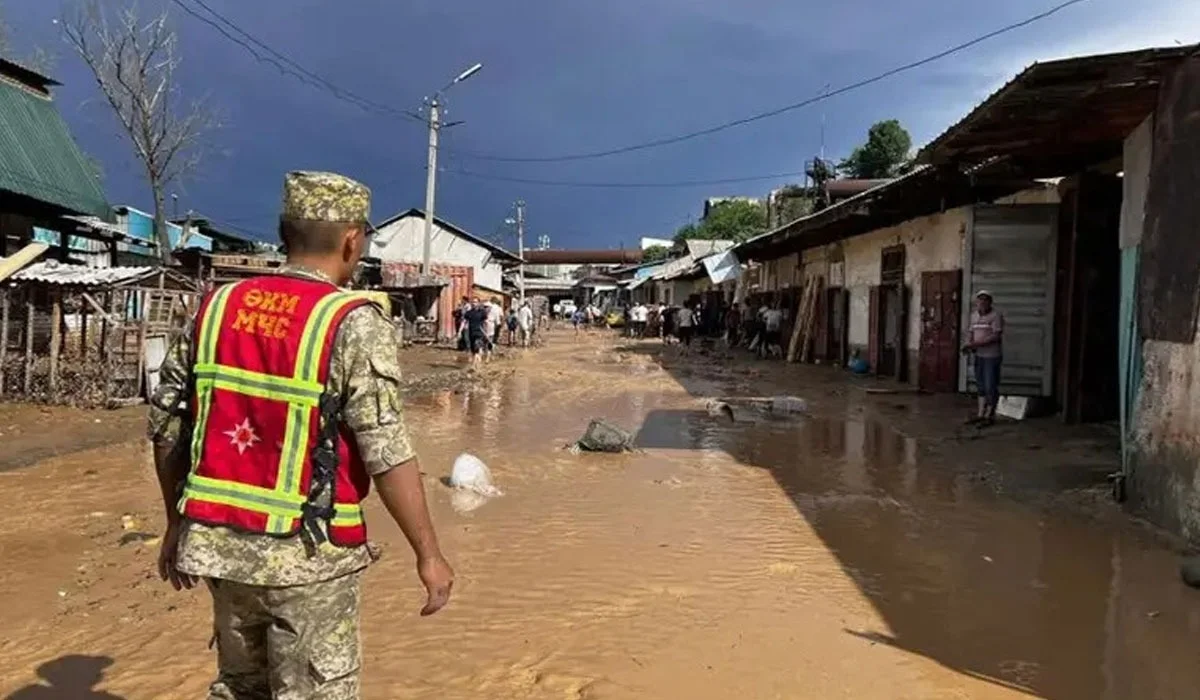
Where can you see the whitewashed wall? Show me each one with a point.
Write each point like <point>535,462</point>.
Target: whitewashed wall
<point>404,241</point>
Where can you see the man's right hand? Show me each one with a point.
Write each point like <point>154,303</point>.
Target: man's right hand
<point>167,552</point>
<point>438,577</point>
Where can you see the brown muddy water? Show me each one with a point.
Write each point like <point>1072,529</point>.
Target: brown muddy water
<point>821,556</point>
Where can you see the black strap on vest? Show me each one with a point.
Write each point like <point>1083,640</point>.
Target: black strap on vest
<point>325,462</point>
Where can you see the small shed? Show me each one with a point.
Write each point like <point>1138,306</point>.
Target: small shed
<point>87,336</point>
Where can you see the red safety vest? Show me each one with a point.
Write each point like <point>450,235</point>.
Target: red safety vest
<point>262,351</point>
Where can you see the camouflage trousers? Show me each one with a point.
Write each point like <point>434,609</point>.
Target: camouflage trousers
<point>294,643</point>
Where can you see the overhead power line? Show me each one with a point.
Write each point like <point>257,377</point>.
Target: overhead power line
<point>290,67</point>
<point>264,53</point>
<point>623,185</point>
<point>825,95</point>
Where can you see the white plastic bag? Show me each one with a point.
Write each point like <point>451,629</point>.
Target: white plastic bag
<point>471,474</point>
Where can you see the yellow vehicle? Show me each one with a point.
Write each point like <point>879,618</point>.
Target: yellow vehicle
<point>614,319</point>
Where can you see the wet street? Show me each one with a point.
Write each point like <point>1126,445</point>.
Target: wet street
<point>867,548</point>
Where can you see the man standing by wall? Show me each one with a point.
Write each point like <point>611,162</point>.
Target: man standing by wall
<point>985,334</point>
<point>265,510</point>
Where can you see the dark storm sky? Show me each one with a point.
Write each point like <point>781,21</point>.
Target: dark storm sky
<point>565,77</point>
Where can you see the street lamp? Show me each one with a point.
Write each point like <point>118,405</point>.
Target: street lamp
<point>435,127</point>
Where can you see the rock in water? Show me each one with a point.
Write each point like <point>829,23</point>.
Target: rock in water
<point>602,436</point>
<point>471,474</point>
<point>1190,571</point>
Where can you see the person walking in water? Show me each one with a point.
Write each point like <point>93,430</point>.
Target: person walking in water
<point>276,409</point>
<point>986,333</point>
<point>525,323</point>
<point>475,326</point>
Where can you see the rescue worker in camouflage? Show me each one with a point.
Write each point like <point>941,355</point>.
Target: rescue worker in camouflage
<point>286,609</point>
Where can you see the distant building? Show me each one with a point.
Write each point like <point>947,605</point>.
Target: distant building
<point>402,239</point>
<point>651,242</point>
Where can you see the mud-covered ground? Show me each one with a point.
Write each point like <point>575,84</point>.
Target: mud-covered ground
<point>870,547</point>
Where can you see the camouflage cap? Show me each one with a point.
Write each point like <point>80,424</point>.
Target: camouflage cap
<point>317,196</point>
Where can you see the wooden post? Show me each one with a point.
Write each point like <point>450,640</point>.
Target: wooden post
<point>28,378</point>
<point>83,323</point>
<point>4,303</point>
<point>55,339</point>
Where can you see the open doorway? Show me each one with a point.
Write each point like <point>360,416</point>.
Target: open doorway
<point>1089,286</point>
<point>889,316</point>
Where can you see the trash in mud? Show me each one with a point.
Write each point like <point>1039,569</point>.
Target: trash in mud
<point>775,406</point>
<point>602,436</point>
<point>718,409</point>
<point>472,483</point>
<point>471,474</point>
<point>788,404</point>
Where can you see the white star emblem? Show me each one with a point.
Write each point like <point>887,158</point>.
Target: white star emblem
<point>242,436</point>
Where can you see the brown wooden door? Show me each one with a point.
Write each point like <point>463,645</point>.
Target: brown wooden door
<point>873,330</point>
<point>940,313</point>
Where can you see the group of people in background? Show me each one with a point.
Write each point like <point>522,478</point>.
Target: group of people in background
<point>480,324</point>
<point>758,327</point>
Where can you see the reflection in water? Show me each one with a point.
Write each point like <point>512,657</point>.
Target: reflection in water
<point>1010,599</point>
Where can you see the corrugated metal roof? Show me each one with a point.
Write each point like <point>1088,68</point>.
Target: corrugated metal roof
<point>38,157</point>
<point>1056,112</point>
<point>54,272</point>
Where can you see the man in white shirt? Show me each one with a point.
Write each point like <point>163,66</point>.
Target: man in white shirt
<point>495,320</point>
<point>639,314</point>
<point>686,325</point>
<point>525,323</point>
<point>772,325</point>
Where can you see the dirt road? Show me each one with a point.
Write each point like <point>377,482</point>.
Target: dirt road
<point>868,549</point>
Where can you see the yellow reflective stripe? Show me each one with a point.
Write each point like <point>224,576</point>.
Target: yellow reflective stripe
<point>347,515</point>
<point>308,360</point>
<point>260,385</point>
<point>206,351</point>
<point>256,494</point>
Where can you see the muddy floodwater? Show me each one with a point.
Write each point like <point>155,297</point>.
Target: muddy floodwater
<point>862,549</point>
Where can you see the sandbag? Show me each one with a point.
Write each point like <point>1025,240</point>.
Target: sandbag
<point>602,436</point>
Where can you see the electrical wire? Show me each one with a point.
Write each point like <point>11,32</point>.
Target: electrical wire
<point>287,66</point>
<point>825,95</point>
<point>622,185</point>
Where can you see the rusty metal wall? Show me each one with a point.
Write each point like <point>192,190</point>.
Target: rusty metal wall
<point>462,282</point>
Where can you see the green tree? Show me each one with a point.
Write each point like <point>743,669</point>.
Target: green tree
<point>733,220</point>
<point>883,155</point>
<point>655,253</point>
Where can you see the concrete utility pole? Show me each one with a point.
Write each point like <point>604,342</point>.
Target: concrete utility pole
<point>435,126</point>
<point>430,184</point>
<point>521,250</point>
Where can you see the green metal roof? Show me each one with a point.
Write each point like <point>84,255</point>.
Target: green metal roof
<point>38,157</point>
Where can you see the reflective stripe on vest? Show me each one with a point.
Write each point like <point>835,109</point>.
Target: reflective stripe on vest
<point>301,392</point>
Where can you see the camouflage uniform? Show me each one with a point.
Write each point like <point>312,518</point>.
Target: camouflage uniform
<point>286,612</point>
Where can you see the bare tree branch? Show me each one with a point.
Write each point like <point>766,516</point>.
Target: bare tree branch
<point>135,64</point>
